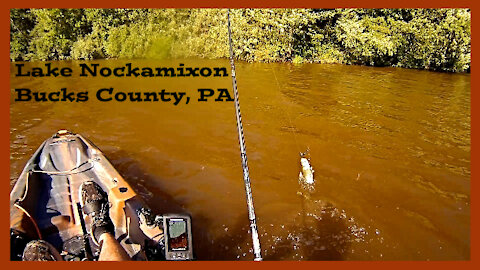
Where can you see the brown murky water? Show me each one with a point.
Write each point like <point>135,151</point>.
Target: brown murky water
<point>390,148</point>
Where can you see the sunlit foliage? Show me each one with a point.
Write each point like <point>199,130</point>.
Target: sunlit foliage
<point>437,39</point>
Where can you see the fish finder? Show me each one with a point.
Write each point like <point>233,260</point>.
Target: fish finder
<point>178,237</point>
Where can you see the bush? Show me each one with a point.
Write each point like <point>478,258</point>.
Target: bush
<point>437,39</point>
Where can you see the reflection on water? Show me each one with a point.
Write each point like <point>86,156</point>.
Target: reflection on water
<point>390,148</point>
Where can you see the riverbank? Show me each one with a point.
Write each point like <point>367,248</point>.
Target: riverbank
<point>433,39</point>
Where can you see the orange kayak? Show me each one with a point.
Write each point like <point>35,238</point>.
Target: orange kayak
<point>44,204</point>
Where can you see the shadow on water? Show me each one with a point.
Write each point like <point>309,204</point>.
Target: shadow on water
<point>321,232</point>
<point>207,246</point>
<point>229,246</point>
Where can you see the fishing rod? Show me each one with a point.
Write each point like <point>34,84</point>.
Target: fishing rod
<point>243,154</point>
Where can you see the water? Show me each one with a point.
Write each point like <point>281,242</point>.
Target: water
<point>390,148</point>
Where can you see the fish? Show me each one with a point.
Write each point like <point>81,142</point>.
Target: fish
<point>306,173</point>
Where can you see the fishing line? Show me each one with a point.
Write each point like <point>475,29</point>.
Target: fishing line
<point>305,186</point>
<point>303,197</point>
<point>294,132</point>
<point>243,154</point>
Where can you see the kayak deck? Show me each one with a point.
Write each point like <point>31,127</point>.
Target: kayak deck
<point>46,196</point>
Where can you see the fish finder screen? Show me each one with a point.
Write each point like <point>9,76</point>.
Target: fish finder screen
<point>177,234</point>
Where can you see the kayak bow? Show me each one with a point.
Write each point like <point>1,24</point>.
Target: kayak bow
<point>45,203</point>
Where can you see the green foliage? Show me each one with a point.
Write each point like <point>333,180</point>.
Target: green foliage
<point>437,39</point>
<point>298,60</point>
<point>22,22</point>
<point>54,33</point>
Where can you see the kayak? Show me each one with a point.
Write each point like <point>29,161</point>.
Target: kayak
<point>45,205</point>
